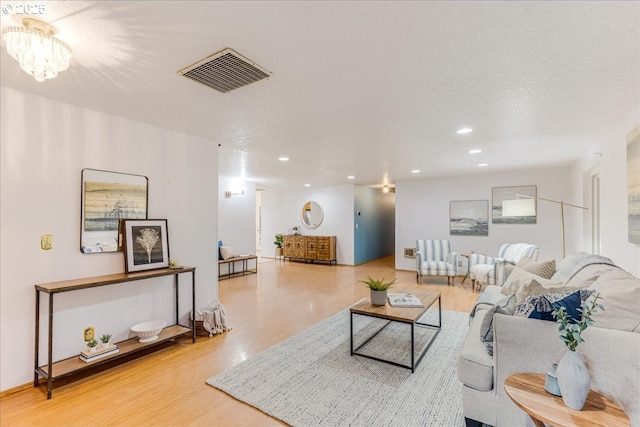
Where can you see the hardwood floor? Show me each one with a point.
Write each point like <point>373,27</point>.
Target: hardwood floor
<point>167,388</point>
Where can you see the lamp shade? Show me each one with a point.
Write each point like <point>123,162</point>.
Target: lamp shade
<point>519,207</point>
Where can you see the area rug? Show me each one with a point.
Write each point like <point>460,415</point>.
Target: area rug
<point>311,379</point>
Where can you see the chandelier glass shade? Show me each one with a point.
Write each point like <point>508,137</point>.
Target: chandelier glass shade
<point>38,52</point>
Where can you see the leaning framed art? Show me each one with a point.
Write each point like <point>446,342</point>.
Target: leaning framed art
<point>106,198</point>
<point>146,244</point>
<point>500,194</point>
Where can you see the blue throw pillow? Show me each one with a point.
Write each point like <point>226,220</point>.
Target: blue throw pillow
<point>541,306</point>
<point>219,246</point>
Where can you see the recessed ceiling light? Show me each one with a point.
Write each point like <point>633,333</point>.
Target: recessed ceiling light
<point>415,171</point>
<point>351,177</point>
<point>283,159</point>
<point>464,130</point>
<point>307,185</point>
<point>475,151</point>
<point>483,165</point>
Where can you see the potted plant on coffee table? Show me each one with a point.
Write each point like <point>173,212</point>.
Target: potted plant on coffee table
<point>378,289</point>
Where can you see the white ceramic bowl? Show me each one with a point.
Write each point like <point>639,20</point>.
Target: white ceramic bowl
<point>148,331</point>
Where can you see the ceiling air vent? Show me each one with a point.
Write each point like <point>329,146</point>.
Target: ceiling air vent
<point>225,71</point>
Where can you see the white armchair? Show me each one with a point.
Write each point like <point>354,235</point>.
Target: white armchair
<point>434,258</point>
<point>493,270</point>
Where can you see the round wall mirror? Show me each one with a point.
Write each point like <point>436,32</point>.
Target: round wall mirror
<point>312,214</point>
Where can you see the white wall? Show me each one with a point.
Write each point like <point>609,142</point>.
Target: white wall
<point>281,212</point>
<point>237,215</point>
<point>422,212</point>
<point>44,146</point>
<point>612,165</point>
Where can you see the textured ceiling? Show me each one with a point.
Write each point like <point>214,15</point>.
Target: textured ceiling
<point>370,89</point>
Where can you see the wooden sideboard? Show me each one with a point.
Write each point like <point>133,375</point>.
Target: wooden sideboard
<point>310,248</point>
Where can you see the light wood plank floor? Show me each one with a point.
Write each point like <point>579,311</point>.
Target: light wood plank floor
<point>167,388</point>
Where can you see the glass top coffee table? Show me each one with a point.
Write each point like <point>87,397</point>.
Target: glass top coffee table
<point>406,315</point>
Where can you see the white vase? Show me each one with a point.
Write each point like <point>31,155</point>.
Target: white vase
<point>378,297</point>
<point>574,380</point>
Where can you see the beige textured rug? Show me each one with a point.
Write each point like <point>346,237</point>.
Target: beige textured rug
<point>311,379</point>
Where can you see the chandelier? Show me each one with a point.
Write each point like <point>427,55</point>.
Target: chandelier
<point>34,47</point>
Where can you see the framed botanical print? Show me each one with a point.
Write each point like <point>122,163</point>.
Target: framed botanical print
<point>106,198</point>
<point>146,244</point>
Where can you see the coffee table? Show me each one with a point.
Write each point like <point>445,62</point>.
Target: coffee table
<point>407,315</point>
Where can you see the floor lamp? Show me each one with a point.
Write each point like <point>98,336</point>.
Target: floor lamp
<point>527,207</point>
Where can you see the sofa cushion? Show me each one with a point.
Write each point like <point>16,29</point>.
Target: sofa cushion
<point>475,365</point>
<point>542,306</point>
<point>620,293</point>
<point>575,262</point>
<point>520,277</point>
<point>506,305</point>
<point>487,299</point>
<point>539,286</point>
<point>544,269</point>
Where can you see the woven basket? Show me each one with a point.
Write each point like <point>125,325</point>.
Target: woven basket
<point>200,330</point>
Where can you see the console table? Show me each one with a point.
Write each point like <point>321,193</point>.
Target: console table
<point>72,365</point>
<point>528,393</point>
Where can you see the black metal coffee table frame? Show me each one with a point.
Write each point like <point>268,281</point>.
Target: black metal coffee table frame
<point>413,323</point>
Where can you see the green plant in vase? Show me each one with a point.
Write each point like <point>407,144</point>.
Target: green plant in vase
<point>573,377</point>
<point>105,340</point>
<point>279,241</point>
<point>92,344</point>
<point>378,289</point>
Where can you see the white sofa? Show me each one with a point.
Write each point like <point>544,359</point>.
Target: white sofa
<point>611,349</point>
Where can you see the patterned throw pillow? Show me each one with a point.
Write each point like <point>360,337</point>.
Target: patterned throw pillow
<point>541,306</point>
<point>544,269</point>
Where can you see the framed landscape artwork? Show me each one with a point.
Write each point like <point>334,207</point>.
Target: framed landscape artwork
<point>106,198</point>
<point>633,184</point>
<point>500,194</point>
<point>146,244</point>
<point>469,218</point>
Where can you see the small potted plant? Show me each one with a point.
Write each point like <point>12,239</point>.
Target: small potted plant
<point>296,230</point>
<point>378,289</point>
<point>92,344</point>
<point>573,377</point>
<point>105,340</point>
<point>278,242</point>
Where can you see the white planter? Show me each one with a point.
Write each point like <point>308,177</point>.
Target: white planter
<point>378,297</point>
<point>92,349</point>
<point>574,380</point>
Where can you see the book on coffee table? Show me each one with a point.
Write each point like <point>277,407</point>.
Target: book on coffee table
<point>404,300</point>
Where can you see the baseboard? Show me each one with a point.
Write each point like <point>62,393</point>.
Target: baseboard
<point>20,388</point>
